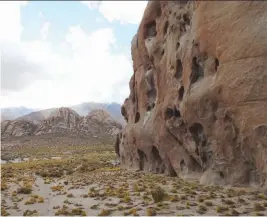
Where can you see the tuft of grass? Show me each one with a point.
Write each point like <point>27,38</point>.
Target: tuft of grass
<point>30,213</point>
<point>105,212</point>
<point>221,209</point>
<point>258,207</point>
<point>40,200</point>
<point>228,202</point>
<point>158,194</point>
<point>201,209</point>
<point>78,212</point>
<point>24,190</point>
<point>57,188</point>
<point>151,211</point>
<point>70,195</point>
<point>208,203</point>
<point>4,212</point>
<point>96,206</point>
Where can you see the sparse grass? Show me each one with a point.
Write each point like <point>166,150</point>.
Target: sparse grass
<point>25,190</point>
<point>57,187</point>
<point>104,212</point>
<point>151,211</point>
<point>70,195</point>
<point>221,209</point>
<point>208,203</point>
<point>158,194</point>
<point>258,207</point>
<point>4,212</point>
<point>201,209</point>
<point>30,213</point>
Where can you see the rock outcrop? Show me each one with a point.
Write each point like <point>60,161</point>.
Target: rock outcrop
<point>198,95</point>
<point>97,123</point>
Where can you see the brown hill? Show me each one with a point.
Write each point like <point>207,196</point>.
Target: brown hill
<point>64,121</point>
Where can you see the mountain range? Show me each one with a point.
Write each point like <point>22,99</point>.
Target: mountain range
<point>62,121</point>
<point>83,109</point>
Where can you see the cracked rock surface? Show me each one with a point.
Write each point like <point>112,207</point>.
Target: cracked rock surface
<point>198,95</point>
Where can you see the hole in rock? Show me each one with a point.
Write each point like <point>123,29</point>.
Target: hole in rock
<point>166,27</point>
<point>216,64</point>
<point>177,113</point>
<point>182,27</point>
<point>182,165</point>
<point>177,45</point>
<point>152,94</point>
<point>221,175</point>
<point>160,167</point>
<point>179,69</point>
<point>150,106</point>
<point>142,158</point>
<point>197,132</point>
<point>181,93</point>
<point>137,117</point>
<point>150,30</point>
<point>162,52</point>
<point>168,114</point>
<point>197,71</point>
<point>261,130</point>
<point>171,170</point>
<point>227,118</point>
<point>186,19</point>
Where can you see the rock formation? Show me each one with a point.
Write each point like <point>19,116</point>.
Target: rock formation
<point>198,95</point>
<point>97,123</point>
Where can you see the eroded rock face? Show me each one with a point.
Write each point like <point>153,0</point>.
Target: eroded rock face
<point>198,99</point>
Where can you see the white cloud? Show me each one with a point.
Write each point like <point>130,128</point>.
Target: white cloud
<point>123,11</point>
<point>10,25</point>
<point>45,30</point>
<point>40,74</point>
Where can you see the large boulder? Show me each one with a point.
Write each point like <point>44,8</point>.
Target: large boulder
<point>198,95</point>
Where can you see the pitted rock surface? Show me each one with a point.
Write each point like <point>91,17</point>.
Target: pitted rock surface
<point>198,95</point>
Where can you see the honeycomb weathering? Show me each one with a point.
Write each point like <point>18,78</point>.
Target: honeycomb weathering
<point>198,96</point>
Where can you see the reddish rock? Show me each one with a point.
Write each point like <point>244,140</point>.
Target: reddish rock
<point>198,95</point>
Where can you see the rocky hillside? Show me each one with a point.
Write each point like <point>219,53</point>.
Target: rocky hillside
<point>98,123</point>
<point>197,106</point>
<point>82,109</point>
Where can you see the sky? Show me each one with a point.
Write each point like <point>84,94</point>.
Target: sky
<point>62,53</point>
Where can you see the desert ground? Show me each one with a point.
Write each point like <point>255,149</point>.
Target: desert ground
<point>81,180</point>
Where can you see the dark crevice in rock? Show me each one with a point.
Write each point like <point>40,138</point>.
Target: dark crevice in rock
<point>177,113</point>
<point>168,114</point>
<point>142,159</point>
<point>179,69</point>
<point>197,132</point>
<point>177,45</point>
<point>197,71</point>
<point>181,93</point>
<point>182,165</point>
<point>150,106</point>
<point>186,19</point>
<point>162,52</point>
<point>137,117</point>
<point>171,170</point>
<point>166,27</point>
<point>150,30</point>
<point>216,64</point>
<point>157,160</point>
